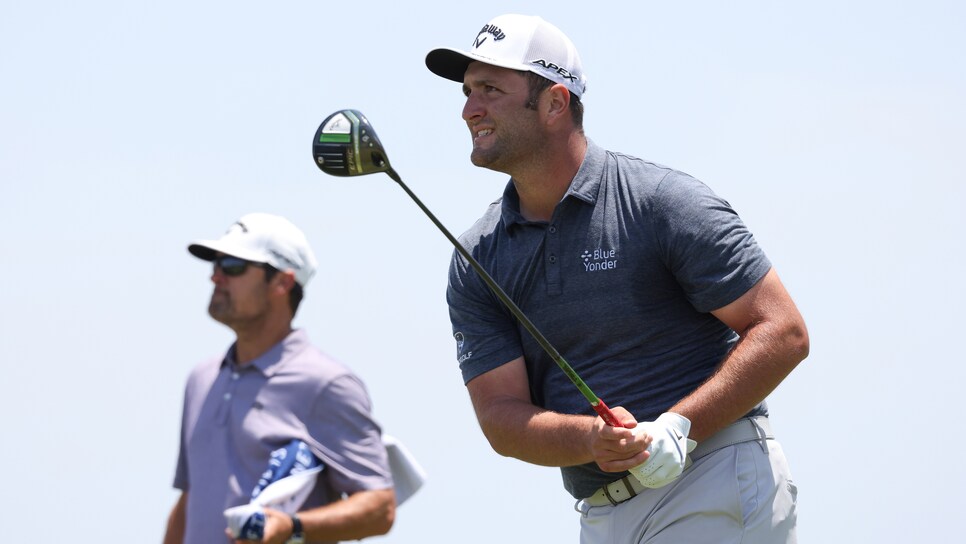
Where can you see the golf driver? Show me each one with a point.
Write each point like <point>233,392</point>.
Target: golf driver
<point>346,145</point>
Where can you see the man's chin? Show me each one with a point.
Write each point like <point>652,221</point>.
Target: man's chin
<point>477,159</point>
<point>218,313</point>
<point>485,160</point>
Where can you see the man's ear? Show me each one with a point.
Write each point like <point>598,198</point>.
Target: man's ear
<point>284,280</point>
<point>557,103</point>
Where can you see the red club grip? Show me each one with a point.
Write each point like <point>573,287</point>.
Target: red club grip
<point>604,412</point>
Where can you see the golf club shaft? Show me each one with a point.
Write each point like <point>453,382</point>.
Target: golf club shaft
<point>602,410</point>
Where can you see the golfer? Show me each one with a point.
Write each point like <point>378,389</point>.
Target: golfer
<point>650,285</point>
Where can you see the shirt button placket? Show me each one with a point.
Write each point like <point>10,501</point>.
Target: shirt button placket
<point>552,246</point>
<point>225,409</point>
<point>231,386</point>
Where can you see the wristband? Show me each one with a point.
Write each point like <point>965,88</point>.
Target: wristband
<point>297,536</point>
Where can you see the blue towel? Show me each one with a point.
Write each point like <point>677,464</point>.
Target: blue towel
<point>289,460</point>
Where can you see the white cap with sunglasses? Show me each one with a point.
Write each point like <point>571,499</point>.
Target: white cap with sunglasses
<point>263,238</point>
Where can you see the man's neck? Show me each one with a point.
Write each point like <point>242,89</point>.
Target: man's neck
<point>542,187</point>
<point>251,345</point>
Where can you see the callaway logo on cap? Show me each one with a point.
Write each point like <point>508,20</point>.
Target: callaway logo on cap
<point>518,42</point>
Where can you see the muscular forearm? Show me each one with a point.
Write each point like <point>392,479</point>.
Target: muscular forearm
<point>521,430</point>
<point>517,428</point>
<point>765,355</point>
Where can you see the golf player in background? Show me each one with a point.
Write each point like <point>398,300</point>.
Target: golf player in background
<point>270,388</point>
<point>647,282</point>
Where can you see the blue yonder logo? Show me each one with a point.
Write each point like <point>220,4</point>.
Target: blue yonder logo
<point>599,259</point>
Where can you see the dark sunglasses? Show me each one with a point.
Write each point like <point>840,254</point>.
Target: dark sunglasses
<point>233,266</point>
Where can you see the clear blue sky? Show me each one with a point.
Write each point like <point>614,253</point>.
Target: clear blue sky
<point>128,129</point>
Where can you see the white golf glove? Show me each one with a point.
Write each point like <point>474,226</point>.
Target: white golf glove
<point>669,449</point>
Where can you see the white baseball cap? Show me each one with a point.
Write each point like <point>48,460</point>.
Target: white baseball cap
<point>519,42</point>
<point>263,238</point>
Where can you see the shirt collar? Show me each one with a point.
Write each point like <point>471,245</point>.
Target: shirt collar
<point>269,362</point>
<point>584,186</point>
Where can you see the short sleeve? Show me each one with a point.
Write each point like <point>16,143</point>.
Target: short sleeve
<point>344,434</point>
<point>705,244</point>
<point>486,333</point>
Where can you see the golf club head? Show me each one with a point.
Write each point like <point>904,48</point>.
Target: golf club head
<point>346,145</point>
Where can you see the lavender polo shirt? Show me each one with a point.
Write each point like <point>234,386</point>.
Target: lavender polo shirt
<point>621,281</point>
<point>234,416</point>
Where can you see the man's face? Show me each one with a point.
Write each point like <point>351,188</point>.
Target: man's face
<point>505,132</point>
<point>239,301</point>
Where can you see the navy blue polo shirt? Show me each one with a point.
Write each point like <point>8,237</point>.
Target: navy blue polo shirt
<point>621,281</point>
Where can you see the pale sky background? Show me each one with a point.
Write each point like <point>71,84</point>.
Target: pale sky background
<point>129,129</point>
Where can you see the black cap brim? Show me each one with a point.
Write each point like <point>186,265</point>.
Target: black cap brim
<point>448,63</point>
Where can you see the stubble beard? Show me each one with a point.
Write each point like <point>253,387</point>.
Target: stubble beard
<point>221,308</point>
<point>510,147</point>
<point>502,155</point>
<point>250,312</point>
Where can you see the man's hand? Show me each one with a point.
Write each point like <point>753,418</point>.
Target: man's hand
<point>668,450</point>
<point>617,449</point>
<point>278,529</point>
